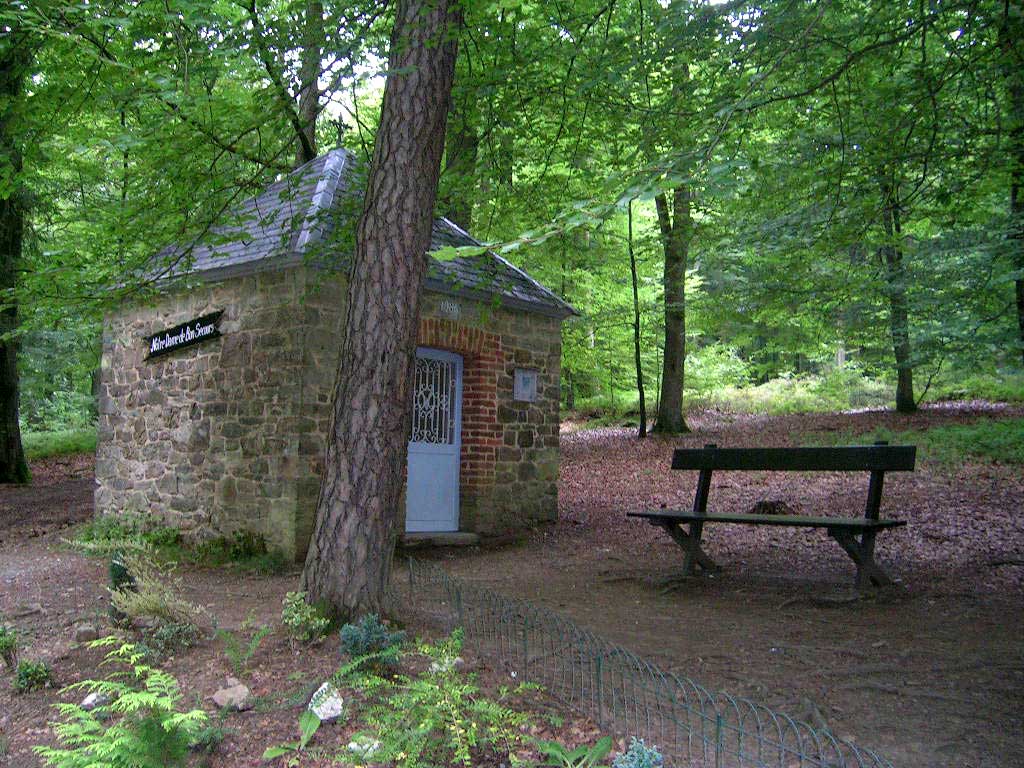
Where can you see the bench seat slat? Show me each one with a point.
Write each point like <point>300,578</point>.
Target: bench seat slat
<point>886,458</point>
<point>803,521</point>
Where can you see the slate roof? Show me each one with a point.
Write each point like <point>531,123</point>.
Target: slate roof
<point>292,219</point>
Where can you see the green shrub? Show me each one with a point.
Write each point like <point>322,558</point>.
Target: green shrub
<point>438,718</point>
<point>998,440</point>
<point>106,535</point>
<point>240,649</point>
<point>31,675</point>
<point>148,732</point>
<point>40,445</point>
<point>244,549</point>
<point>165,640</point>
<point>9,646</point>
<point>369,636</point>
<point>639,755</point>
<point>304,622</point>
<point>155,593</point>
<point>713,367</point>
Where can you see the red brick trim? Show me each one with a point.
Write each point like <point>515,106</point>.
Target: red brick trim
<point>483,360</point>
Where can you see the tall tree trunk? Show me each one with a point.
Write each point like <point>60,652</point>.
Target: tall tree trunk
<point>1010,33</point>
<point>642,428</point>
<point>676,227</point>
<point>896,289</point>
<point>460,162</point>
<point>14,63</point>
<point>309,75</point>
<point>349,559</point>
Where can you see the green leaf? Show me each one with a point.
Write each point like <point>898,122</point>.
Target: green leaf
<point>308,725</point>
<point>272,753</point>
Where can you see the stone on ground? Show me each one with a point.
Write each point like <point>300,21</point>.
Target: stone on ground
<point>235,697</point>
<point>327,703</point>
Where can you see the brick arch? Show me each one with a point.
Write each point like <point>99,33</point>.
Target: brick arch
<point>483,361</point>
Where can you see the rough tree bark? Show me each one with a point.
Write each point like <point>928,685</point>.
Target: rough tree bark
<point>676,229</point>
<point>461,153</point>
<point>349,558</point>
<point>309,75</point>
<point>14,63</point>
<point>896,288</point>
<point>642,427</point>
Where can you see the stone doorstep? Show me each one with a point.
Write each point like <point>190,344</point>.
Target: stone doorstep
<point>439,539</point>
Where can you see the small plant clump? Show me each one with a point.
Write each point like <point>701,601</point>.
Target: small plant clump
<point>439,717</point>
<point>31,676</point>
<point>240,649</point>
<point>167,639</point>
<point>155,592</point>
<point>148,732</point>
<point>9,646</point>
<point>639,755</point>
<point>368,637</point>
<point>304,622</point>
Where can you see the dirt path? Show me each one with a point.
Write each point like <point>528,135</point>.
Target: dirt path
<point>929,675</point>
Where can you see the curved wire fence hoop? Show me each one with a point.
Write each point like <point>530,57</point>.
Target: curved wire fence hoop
<point>622,692</point>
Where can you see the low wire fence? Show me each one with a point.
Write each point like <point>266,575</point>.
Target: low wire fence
<point>622,692</point>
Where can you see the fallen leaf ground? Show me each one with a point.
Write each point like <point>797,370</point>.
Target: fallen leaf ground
<point>929,674</point>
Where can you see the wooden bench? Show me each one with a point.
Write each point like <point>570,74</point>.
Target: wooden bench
<point>856,535</point>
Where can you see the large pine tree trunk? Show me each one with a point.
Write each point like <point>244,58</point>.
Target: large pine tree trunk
<point>349,559</point>
<point>896,288</point>
<point>676,226</point>
<point>14,62</point>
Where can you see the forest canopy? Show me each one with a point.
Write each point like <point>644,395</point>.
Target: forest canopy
<point>792,204</point>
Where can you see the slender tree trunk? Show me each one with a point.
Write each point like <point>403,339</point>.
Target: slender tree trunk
<point>1010,33</point>
<point>676,226</point>
<point>309,75</point>
<point>349,559</point>
<point>461,152</point>
<point>642,429</point>
<point>14,62</point>
<point>896,288</point>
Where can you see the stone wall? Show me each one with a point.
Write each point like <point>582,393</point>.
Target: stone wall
<point>208,438</point>
<point>229,434</point>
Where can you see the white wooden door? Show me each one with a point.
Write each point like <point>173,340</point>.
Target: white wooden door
<point>432,492</point>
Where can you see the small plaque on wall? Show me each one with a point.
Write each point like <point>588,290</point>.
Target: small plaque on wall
<point>524,385</point>
<point>449,309</point>
<point>195,331</point>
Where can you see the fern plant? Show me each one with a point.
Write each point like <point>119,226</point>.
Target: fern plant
<point>240,651</point>
<point>146,730</point>
<point>438,718</point>
<point>9,646</point>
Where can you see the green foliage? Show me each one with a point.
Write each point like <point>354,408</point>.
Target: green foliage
<point>585,756</point>
<point>994,387</point>
<point>155,592</point>
<point>639,755</point>
<point>165,640</point>
<point>107,535</point>
<point>952,445</point>
<point>147,730</point>
<point>206,738</point>
<point>437,718</point>
<point>243,549</point>
<point>840,389</point>
<point>40,445</point>
<point>309,724</point>
<point>30,676</point>
<point>239,649</point>
<point>304,622</point>
<point>9,646</point>
<point>369,636</point>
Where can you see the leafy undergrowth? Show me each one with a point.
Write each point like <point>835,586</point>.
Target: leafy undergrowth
<point>986,440</point>
<point>40,445</point>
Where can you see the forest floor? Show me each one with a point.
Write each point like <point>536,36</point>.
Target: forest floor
<point>930,673</point>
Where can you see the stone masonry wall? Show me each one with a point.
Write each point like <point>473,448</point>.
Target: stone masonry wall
<point>208,438</point>
<point>230,434</point>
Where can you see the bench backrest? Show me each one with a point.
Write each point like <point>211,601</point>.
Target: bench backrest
<point>851,458</point>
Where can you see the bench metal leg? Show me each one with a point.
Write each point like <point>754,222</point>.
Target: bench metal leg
<point>690,544</point>
<point>863,555</point>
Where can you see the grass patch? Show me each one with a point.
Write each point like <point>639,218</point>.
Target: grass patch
<point>986,440</point>
<point>40,445</point>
